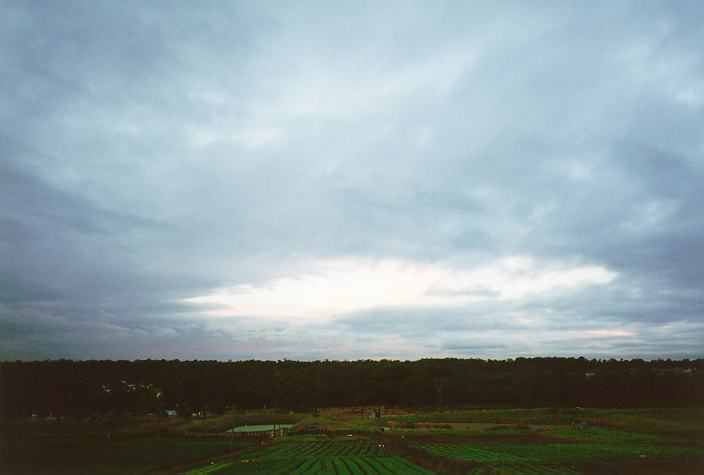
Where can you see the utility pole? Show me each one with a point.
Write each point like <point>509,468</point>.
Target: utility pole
<point>232,429</point>
<point>159,410</point>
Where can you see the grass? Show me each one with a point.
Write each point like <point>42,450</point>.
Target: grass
<point>88,453</point>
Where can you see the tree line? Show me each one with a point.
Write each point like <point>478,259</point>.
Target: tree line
<point>80,388</point>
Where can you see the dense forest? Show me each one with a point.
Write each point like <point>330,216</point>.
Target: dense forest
<point>80,388</point>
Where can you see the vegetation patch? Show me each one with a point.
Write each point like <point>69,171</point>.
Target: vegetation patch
<point>63,453</point>
<point>601,434</point>
<point>512,454</point>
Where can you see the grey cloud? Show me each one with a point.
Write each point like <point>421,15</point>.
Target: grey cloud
<point>477,349</point>
<point>152,153</point>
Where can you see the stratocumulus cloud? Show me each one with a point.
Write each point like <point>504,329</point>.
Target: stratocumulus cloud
<point>351,180</point>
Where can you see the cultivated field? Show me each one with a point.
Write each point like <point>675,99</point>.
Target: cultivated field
<point>452,441</point>
<point>332,457</point>
<point>530,441</point>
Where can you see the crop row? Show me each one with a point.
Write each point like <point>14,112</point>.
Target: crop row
<point>470,453</point>
<point>371,465</point>
<point>353,465</point>
<point>323,449</point>
<point>208,469</point>
<point>374,465</point>
<point>521,469</point>
<point>264,466</point>
<point>548,453</point>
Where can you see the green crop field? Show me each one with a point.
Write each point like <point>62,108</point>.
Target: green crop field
<point>329,465</point>
<point>581,448</point>
<point>331,457</point>
<point>556,453</point>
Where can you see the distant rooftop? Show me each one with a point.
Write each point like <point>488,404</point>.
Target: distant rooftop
<point>259,428</point>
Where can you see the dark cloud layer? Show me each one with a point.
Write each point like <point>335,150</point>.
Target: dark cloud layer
<point>215,180</point>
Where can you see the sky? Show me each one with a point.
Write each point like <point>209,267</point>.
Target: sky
<point>351,180</point>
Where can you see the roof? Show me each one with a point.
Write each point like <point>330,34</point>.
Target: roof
<point>259,428</point>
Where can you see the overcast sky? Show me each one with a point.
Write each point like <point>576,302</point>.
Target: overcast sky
<point>343,180</point>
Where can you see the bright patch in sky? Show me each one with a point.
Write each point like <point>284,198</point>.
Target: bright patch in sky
<point>333,287</point>
<point>608,333</point>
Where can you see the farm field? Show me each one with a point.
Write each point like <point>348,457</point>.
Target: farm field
<point>330,457</point>
<point>95,453</point>
<point>621,441</point>
<point>466,441</point>
<point>556,458</point>
<point>663,447</point>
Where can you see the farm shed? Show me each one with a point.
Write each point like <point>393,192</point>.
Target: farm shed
<point>261,430</point>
